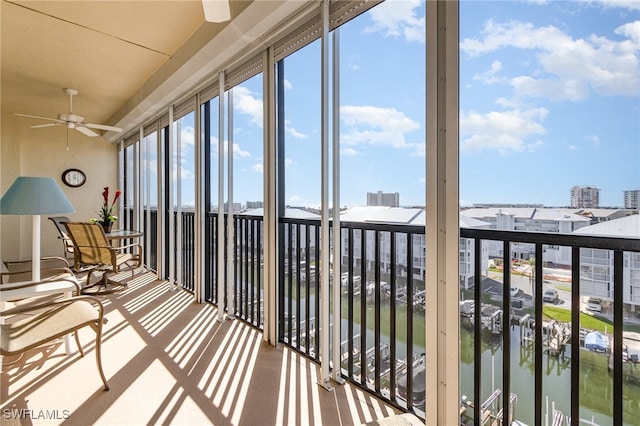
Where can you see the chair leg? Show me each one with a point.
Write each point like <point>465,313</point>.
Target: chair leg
<point>103,285</point>
<point>98,330</point>
<point>105,281</point>
<point>75,333</point>
<point>88,282</point>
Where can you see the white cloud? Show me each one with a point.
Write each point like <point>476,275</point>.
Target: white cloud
<point>569,69</point>
<point>288,162</point>
<point>258,167</point>
<point>420,150</point>
<point>489,76</point>
<point>595,139</point>
<point>623,4</point>
<point>185,174</point>
<point>293,132</point>
<point>187,137</point>
<point>508,103</point>
<point>353,61</point>
<point>630,30</point>
<point>514,34</point>
<point>398,18</point>
<point>187,141</point>
<point>348,151</point>
<point>375,126</point>
<point>570,89</point>
<point>293,199</point>
<point>502,131</point>
<point>287,85</point>
<point>296,134</point>
<point>245,102</point>
<point>237,151</point>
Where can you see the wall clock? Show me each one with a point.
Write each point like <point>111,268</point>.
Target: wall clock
<point>74,177</point>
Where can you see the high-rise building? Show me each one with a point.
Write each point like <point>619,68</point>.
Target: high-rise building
<point>632,199</point>
<point>389,199</point>
<point>585,197</point>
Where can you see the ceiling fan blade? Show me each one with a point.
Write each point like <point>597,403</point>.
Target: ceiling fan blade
<point>102,127</point>
<point>216,10</point>
<point>41,118</point>
<point>45,125</point>
<point>86,131</point>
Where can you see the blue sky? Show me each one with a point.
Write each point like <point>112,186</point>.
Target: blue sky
<point>549,99</point>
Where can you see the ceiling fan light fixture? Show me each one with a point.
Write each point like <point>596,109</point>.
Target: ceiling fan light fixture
<point>216,10</point>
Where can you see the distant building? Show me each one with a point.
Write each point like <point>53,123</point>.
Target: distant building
<point>387,199</point>
<point>596,265</point>
<point>510,206</point>
<point>585,197</point>
<point>409,216</point>
<point>254,205</point>
<point>237,207</point>
<point>602,215</point>
<point>550,220</point>
<point>632,199</point>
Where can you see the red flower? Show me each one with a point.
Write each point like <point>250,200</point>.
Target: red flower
<point>106,210</point>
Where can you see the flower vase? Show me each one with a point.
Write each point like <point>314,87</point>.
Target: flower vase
<point>107,226</point>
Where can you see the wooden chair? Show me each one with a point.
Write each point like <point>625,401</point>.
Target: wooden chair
<point>91,249</point>
<point>34,325</point>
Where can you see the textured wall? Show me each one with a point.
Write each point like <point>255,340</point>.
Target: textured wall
<point>43,152</point>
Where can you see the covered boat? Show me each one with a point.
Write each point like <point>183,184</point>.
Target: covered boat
<point>596,341</point>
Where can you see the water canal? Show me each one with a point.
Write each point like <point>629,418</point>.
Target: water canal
<point>596,383</point>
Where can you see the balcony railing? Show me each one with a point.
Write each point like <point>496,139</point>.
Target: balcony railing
<point>539,369</point>
<point>547,344</point>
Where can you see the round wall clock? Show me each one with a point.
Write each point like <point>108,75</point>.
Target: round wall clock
<point>73,177</point>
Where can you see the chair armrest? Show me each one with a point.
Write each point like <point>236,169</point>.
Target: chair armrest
<point>36,307</point>
<point>25,289</point>
<point>137,256</point>
<point>25,309</point>
<point>121,248</point>
<point>45,262</point>
<point>19,276</point>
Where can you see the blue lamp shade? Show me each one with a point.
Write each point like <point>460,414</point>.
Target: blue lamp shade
<point>34,196</point>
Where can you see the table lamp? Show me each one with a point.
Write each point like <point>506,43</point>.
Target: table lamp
<point>35,196</point>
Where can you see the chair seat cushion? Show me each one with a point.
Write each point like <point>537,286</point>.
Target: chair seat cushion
<point>43,327</point>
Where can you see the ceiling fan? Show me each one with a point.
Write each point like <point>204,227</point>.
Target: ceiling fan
<point>71,120</point>
<point>216,10</point>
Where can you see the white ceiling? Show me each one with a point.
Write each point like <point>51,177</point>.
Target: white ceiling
<point>127,59</point>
